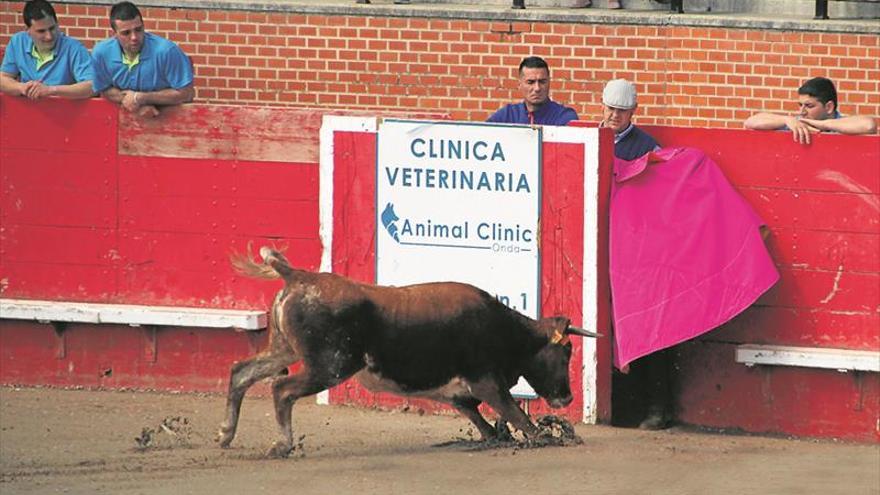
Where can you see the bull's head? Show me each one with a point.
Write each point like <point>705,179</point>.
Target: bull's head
<point>547,371</point>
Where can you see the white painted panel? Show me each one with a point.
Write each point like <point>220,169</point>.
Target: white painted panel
<point>590,138</point>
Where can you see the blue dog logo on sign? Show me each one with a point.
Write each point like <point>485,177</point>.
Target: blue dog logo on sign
<point>389,219</point>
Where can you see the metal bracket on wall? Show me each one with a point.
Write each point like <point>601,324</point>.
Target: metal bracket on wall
<point>151,349</point>
<point>60,338</point>
<point>860,385</point>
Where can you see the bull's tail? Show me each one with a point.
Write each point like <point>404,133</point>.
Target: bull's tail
<point>274,264</point>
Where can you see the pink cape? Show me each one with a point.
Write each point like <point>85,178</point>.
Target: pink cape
<point>686,251</point>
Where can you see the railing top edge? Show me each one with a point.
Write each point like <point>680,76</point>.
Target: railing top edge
<point>504,13</point>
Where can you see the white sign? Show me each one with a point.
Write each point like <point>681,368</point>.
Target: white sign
<point>460,202</point>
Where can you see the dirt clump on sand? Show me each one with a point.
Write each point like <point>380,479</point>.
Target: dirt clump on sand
<point>172,431</point>
<point>554,431</point>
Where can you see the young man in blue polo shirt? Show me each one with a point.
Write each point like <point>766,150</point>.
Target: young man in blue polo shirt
<point>818,112</point>
<point>138,70</point>
<point>536,107</point>
<point>41,61</point>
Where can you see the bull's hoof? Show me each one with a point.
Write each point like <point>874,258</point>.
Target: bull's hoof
<point>281,450</point>
<point>224,437</point>
<point>488,436</point>
<point>502,431</point>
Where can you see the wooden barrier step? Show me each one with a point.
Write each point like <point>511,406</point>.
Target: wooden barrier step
<point>133,315</point>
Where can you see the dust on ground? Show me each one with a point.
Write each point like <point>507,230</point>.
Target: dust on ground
<point>97,442</point>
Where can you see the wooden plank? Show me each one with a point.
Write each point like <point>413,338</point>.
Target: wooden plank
<point>194,269</point>
<point>113,356</point>
<point>149,285</point>
<point>159,176</point>
<point>26,350</point>
<point>825,250</point>
<point>838,290</point>
<point>60,208</point>
<point>58,169</point>
<point>811,327</point>
<point>832,163</point>
<point>58,245</point>
<point>211,216</point>
<point>354,205</point>
<point>91,283</point>
<point>562,244</point>
<point>221,132</point>
<point>70,125</point>
<point>275,134</point>
<point>816,210</point>
<point>562,229</point>
<point>197,251</point>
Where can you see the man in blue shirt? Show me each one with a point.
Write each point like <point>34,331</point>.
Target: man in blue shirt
<point>618,107</point>
<point>818,112</point>
<point>536,107</point>
<point>139,70</point>
<point>41,61</point>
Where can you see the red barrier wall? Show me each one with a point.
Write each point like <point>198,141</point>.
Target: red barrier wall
<point>98,210</point>
<point>96,207</point>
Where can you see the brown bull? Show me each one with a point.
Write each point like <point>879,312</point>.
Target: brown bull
<point>446,341</point>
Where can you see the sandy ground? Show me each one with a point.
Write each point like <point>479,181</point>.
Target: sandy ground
<point>75,441</point>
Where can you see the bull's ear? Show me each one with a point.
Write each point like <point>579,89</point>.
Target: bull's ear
<point>553,329</point>
<point>559,338</point>
<point>570,330</point>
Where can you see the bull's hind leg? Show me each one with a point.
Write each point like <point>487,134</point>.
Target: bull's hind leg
<point>286,390</point>
<point>243,375</point>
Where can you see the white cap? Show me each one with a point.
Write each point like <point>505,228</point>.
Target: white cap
<point>619,93</point>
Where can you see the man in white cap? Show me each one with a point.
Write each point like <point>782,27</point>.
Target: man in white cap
<point>618,106</point>
<point>643,393</point>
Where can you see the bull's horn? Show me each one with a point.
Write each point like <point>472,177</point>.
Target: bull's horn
<point>582,332</point>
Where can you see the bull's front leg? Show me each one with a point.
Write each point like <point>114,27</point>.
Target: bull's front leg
<point>469,408</point>
<point>490,391</point>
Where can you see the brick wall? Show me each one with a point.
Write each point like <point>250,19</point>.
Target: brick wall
<point>687,76</point>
